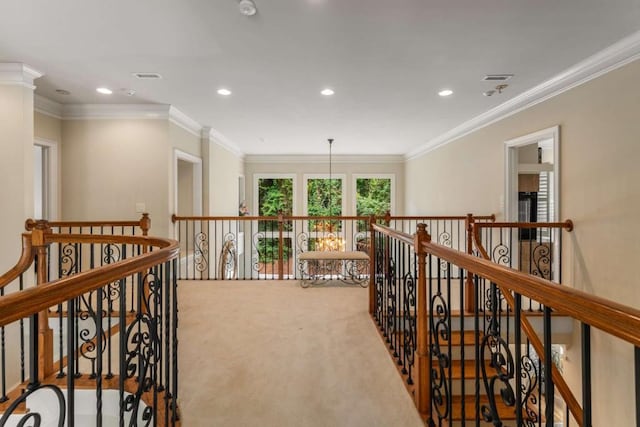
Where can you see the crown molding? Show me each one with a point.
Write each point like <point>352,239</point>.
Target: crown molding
<point>180,119</point>
<point>18,74</point>
<point>615,56</point>
<point>48,107</point>
<point>323,158</point>
<point>211,135</point>
<point>114,111</point>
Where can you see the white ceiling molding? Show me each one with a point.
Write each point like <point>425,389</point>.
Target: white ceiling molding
<point>114,111</point>
<point>213,135</point>
<point>615,56</point>
<point>179,118</point>
<point>15,73</point>
<point>48,107</point>
<point>324,158</point>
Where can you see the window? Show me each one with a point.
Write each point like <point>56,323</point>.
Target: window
<point>274,195</point>
<point>374,196</point>
<point>323,197</point>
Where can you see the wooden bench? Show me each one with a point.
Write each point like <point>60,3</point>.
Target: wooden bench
<point>351,267</point>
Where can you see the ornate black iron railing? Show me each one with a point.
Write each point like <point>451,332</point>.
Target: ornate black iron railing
<point>259,248</point>
<point>104,332</point>
<point>496,364</point>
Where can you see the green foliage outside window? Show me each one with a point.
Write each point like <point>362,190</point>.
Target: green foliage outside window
<point>321,203</point>
<point>373,197</point>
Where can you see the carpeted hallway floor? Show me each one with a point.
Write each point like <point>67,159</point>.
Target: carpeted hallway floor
<point>274,354</point>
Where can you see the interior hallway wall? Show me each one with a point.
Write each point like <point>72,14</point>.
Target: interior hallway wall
<point>599,191</point>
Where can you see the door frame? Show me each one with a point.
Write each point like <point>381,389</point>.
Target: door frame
<point>197,179</point>
<point>51,173</point>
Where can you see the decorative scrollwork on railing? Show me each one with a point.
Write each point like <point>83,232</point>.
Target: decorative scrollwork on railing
<point>255,252</point>
<point>410,327</point>
<point>201,251</point>
<point>440,323</point>
<point>391,304</point>
<point>88,331</point>
<point>501,254</point>
<point>143,347</point>
<point>228,261</point>
<point>541,255</point>
<point>444,238</point>
<point>110,253</point>
<point>529,384</point>
<point>379,281</point>
<point>302,242</point>
<point>35,418</point>
<point>68,260</point>
<point>361,241</point>
<point>502,366</point>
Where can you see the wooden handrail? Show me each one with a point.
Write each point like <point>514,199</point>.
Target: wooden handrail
<point>613,318</point>
<point>144,223</point>
<point>33,300</point>
<point>568,224</point>
<point>175,218</point>
<point>556,375</point>
<point>26,259</point>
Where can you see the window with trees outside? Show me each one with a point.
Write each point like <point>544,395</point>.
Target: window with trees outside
<point>374,196</point>
<point>275,195</point>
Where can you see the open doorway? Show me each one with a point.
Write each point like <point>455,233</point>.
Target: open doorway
<point>45,179</point>
<point>532,196</point>
<point>187,184</point>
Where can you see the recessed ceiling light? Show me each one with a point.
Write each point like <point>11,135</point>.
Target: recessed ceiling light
<point>445,92</point>
<point>327,92</point>
<point>247,7</point>
<point>104,91</point>
<point>225,92</point>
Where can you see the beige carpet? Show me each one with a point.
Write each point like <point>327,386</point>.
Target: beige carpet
<point>273,354</point>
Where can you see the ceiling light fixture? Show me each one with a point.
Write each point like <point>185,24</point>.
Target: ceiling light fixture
<point>445,92</point>
<point>104,90</point>
<point>327,92</point>
<point>247,7</point>
<point>224,92</point>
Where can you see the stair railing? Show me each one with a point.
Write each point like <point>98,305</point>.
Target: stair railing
<point>506,383</point>
<point>104,341</point>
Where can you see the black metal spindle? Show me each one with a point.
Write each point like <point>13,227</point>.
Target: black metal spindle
<point>22,332</point>
<point>122,348</point>
<point>99,348</point>
<point>586,374</point>
<point>174,325</point>
<point>548,363</point>
<point>71,351</point>
<point>3,397</point>
<point>636,370</point>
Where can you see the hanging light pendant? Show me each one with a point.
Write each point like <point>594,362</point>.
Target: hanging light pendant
<point>330,241</point>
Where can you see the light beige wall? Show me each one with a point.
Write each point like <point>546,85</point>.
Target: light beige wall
<point>47,127</point>
<point>321,166</point>
<point>600,192</point>
<point>110,165</point>
<point>16,169</point>
<point>224,169</point>
<point>184,140</point>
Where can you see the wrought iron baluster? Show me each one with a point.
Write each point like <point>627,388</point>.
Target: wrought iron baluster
<point>548,362</point>
<point>586,375</point>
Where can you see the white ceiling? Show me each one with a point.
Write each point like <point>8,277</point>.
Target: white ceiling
<point>386,60</point>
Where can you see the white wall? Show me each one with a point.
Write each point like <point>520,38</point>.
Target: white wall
<point>223,170</point>
<point>600,192</point>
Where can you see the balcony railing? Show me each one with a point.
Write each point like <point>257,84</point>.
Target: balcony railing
<point>260,248</point>
<point>495,364</point>
<point>103,330</point>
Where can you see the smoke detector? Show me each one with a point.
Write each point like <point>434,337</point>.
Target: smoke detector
<point>247,7</point>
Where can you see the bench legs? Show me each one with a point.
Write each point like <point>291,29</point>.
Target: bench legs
<point>321,271</point>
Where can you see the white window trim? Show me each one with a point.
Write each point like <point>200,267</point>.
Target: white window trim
<point>354,181</point>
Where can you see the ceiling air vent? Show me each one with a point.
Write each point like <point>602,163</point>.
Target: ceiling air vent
<point>147,76</point>
<point>497,77</point>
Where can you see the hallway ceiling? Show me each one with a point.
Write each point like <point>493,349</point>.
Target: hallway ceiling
<point>386,61</point>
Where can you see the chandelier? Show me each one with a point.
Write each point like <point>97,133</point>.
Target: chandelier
<point>330,241</point>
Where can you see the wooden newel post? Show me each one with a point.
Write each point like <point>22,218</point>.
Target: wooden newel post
<point>145,223</point>
<point>45,333</point>
<point>372,266</point>
<point>423,386</point>
<point>469,292</point>
<point>280,246</point>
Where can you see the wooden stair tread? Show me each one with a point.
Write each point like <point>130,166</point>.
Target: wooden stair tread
<point>467,338</point>
<point>504,412</point>
<point>469,369</point>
